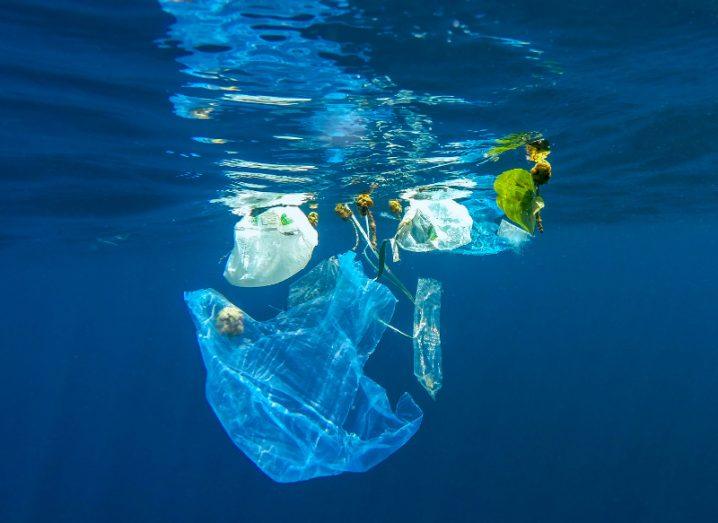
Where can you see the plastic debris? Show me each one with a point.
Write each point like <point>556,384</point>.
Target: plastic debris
<point>316,283</point>
<point>485,215</point>
<point>291,392</point>
<point>427,336</point>
<point>484,231</point>
<point>394,251</point>
<point>479,198</point>
<point>515,236</point>
<point>430,225</point>
<point>270,248</point>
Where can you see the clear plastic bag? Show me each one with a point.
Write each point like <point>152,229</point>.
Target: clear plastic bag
<point>270,247</point>
<point>430,225</point>
<point>427,335</point>
<point>490,234</point>
<point>513,235</point>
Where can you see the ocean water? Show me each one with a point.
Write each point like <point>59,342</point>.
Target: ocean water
<point>580,376</point>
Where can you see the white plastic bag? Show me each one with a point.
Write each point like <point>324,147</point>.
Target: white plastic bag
<point>270,247</point>
<point>430,225</point>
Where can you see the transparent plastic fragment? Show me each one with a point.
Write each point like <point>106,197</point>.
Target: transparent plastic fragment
<point>270,247</point>
<point>421,227</point>
<point>427,335</point>
<point>430,225</point>
<point>317,282</point>
<point>488,236</point>
<point>514,235</point>
<point>394,251</point>
<point>291,391</point>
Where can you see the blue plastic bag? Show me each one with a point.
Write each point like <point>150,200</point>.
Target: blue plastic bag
<point>291,392</point>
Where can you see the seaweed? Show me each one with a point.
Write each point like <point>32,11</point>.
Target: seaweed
<point>511,142</point>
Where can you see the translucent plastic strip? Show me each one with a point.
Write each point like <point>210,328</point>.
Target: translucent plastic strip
<point>427,336</point>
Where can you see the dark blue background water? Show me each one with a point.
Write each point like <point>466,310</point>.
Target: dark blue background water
<point>580,377</point>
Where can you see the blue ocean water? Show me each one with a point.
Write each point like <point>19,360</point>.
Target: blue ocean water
<point>580,376</point>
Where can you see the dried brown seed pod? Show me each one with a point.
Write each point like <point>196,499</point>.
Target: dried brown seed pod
<point>538,150</point>
<point>395,207</point>
<point>230,321</point>
<point>541,173</point>
<point>343,211</point>
<point>364,201</point>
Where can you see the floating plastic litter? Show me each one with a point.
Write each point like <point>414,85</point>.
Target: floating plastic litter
<point>270,247</point>
<point>488,236</point>
<point>427,336</point>
<point>430,225</point>
<point>515,236</point>
<point>434,221</point>
<point>291,392</point>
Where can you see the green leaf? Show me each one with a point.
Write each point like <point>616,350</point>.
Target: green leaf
<point>516,196</point>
